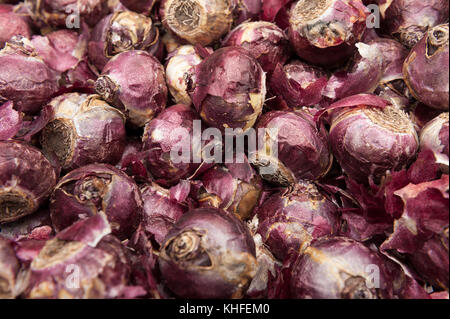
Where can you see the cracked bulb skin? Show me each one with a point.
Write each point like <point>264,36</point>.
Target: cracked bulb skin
<point>197,21</point>
<point>27,179</point>
<point>209,253</point>
<point>324,32</point>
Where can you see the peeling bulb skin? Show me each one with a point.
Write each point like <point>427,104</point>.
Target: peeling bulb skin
<point>120,32</point>
<point>84,130</point>
<point>341,268</point>
<point>266,42</point>
<point>26,180</point>
<point>134,82</point>
<point>69,267</point>
<point>160,211</point>
<point>197,21</point>
<point>290,220</point>
<point>368,141</point>
<point>95,189</point>
<point>409,20</point>
<point>230,89</point>
<point>426,69</point>
<point>31,82</point>
<point>303,150</point>
<point>434,136</point>
<point>65,52</point>
<point>180,73</point>
<point>323,32</point>
<point>209,253</point>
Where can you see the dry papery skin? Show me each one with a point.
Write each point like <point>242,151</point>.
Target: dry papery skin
<point>198,21</point>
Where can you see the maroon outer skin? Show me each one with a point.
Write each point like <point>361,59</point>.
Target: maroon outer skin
<point>426,69</point>
<point>350,18</point>
<point>85,251</point>
<point>394,56</point>
<point>235,188</point>
<point>139,6</point>
<point>298,84</point>
<point>135,31</point>
<point>55,13</point>
<point>408,20</point>
<point>322,271</point>
<point>435,137</point>
<point>225,84</point>
<point>158,147</point>
<point>361,76</point>
<point>247,10</point>
<point>10,271</point>
<point>37,226</point>
<point>266,42</point>
<point>292,219</point>
<point>422,230</point>
<point>86,191</point>
<point>98,130</point>
<point>134,82</point>
<point>366,149</point>
<point>160,211</point>
<point>65,51</point>
<point>302,149</point>
<point>225,243</point>
<point>24,169</point>
<point>12,24</point>
<point>30,83</point>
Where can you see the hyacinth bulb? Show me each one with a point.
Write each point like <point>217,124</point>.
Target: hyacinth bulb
<point>434,136</point>
<point>292,219</point>
<point>369,141</point>
<point>82,262</point>
<point>409,20</point>
<point>266,42</point>
<point>119,32</point>
<point>84,130</point>
<point>180,73</point>
<point>341,268</point>
<point>139,95</point>
<point>197,21</point>
<point>96,188</point>
<point>297,148</point>
<point>324,32</point>
<point>27,179</point>
<point>209,253</point>
<point>426,69</point>
<point>230,89</point>
<point>30,83</point>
